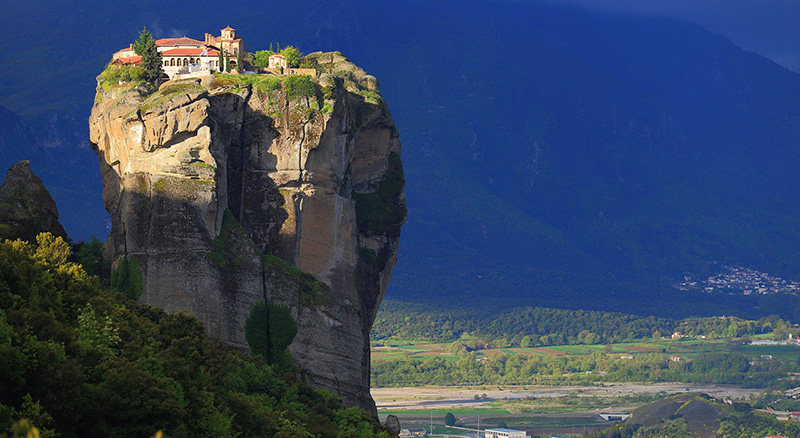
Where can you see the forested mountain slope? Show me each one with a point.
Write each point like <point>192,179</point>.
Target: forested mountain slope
<point>553,156</point>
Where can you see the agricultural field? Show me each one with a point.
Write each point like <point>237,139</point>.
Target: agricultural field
<point>685,349</point>
<point>538,409</point>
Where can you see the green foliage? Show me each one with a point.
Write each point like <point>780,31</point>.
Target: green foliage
<point>220,61</point>
<point>292,56</point>
<point>227,63</point>
<point>77,360</point>
<point>145,46</point>
<point>170,91</point>
<point>218,253</point>
<point>269,330</point>
<point>544,326</point>
<point>127,278</point>
<point>100,334</point>
<point>450,419</point>
<point>115,74</point>
<point>368,255</point>
<point>311,290</point>
<point>90,256</point>
<point>299,86</point>
<point>263,83</point>
<point>51,249</point>
<point>262,58</point>
<point>382,212</point>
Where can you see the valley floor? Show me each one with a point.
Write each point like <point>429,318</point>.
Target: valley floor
<point>545,409</point>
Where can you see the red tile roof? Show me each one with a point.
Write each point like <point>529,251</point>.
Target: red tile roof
<point>229,28</point>
<point>193,51</point>
<point>178,41</point>
<point>276,55</point>
<point>133,60</point>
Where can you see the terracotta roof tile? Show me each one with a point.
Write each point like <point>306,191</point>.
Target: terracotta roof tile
<point>177,41</point>
<point>189,52</point>
<point>133,60</point>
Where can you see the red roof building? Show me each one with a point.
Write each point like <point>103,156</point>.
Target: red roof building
<point>186,55</point>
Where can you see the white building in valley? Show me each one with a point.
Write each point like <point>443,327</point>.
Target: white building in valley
<point>505,433</point>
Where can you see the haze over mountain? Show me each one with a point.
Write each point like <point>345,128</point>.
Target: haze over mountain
<point>553,156</point>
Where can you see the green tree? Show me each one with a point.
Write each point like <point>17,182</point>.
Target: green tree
<point>90,256</point>
<point>227,63</point>
<point>262,58</point>
<point>450,419</point>
<point>292,56</point>
<point>127,279</point>
<point>145,46</point>
<point>269,330</point>
<point>220,61</point>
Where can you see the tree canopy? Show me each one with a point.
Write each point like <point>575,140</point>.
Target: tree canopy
<point>145,46</point>
<point>79,360</point>
<point>292,55</point>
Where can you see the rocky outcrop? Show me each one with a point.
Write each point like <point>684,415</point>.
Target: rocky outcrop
<point>227,191</point>
<point>26,207</point>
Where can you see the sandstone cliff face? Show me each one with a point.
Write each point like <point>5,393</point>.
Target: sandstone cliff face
<point>210,183</point>
<point>26,207</point>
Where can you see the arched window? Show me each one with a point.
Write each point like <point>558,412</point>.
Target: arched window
<point>185,62</point>
<point>172,62</point>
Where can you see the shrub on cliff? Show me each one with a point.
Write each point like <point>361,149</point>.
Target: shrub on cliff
<point>299,86</point>
<point>115,74</point>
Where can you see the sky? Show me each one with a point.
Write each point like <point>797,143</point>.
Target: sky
<point>768,27</point>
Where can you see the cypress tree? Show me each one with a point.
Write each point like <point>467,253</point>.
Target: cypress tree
<point>227,63</point>
<point>145,46</point>
<point>220,62</point>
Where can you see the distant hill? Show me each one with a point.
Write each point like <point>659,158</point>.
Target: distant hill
<point>701,413</point>
<point>554,157</point>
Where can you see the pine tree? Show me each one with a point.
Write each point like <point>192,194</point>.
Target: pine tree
<point>145,47</point>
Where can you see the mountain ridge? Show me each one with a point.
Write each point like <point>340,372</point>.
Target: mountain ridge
<point>594,157</point>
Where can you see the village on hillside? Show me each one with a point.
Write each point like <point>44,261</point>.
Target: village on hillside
<point>186,57</point>
<point>738,280</point>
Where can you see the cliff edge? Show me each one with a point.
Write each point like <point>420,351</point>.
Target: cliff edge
<point>226,191</point>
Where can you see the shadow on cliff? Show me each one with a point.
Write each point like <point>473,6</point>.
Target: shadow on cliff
<point>252,195</point>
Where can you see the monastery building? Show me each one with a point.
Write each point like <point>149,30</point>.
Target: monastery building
<point>182,56</point>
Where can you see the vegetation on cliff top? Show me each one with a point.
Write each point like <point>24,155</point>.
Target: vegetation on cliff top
<point>79,360</point>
